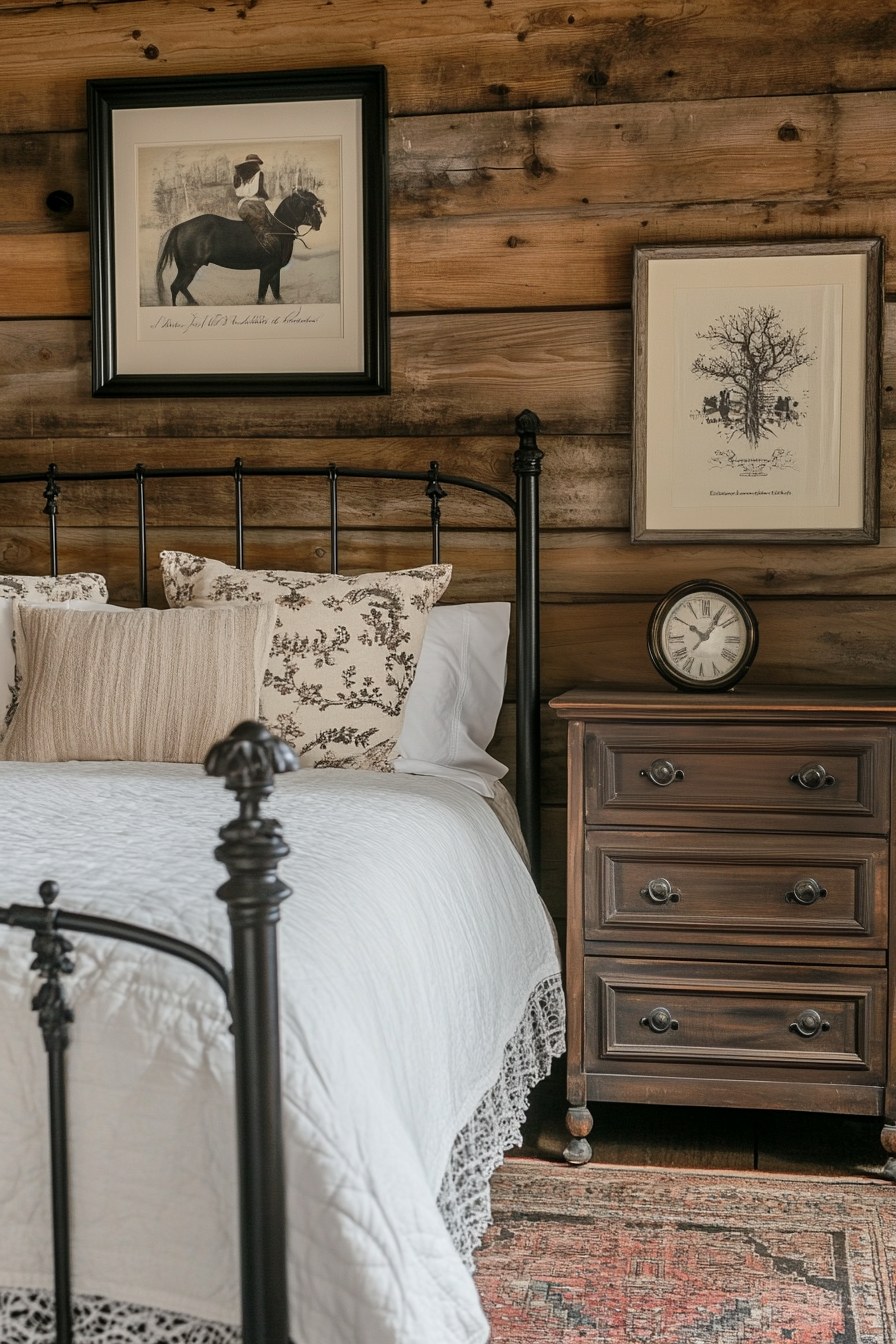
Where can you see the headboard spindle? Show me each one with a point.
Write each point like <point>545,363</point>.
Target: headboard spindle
<point>436,493</point>
<point>238,507</point>
<point>51,508</point>
<point>142,560</point>
<point>332,476</point>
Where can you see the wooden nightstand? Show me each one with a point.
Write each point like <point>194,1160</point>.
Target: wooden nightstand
<point>728,932</point>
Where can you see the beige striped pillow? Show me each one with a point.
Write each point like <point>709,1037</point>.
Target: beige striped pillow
<point>139,685</point>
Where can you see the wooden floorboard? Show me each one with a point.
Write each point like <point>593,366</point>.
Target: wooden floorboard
<point>707,1138</point>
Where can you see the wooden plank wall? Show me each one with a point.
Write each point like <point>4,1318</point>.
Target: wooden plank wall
<point>530,149</point>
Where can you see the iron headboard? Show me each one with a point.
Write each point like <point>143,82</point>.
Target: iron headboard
<point>523,506</point>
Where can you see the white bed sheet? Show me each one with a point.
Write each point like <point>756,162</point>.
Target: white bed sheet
<point>410,949</point>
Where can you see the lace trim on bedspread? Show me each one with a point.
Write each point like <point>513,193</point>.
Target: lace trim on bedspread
<point>465,1197</point>
<point>26,1315</point>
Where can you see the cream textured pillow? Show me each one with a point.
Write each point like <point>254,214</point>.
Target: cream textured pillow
<point>134,685</point>
<point>35,588</point>
<point>344,651</point>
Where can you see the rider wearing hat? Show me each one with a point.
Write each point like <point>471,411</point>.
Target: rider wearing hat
<point>248,182</point>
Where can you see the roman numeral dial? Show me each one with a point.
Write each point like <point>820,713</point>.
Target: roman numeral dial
<point>702,636</point>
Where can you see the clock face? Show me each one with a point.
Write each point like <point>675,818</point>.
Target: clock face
<point>702,637</point>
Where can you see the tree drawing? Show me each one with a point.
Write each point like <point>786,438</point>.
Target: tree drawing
<point>753,354</point>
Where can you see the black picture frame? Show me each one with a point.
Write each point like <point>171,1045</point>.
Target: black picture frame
<point>159,150</point>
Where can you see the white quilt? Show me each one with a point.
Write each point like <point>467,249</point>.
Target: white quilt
<point>411,946</point>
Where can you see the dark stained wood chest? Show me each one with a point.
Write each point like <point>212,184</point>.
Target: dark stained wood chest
<point>729,940</point>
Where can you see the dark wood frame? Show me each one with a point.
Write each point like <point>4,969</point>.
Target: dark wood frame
<point>366,85</point>
<point>251,848</point>
<point>869,530</point>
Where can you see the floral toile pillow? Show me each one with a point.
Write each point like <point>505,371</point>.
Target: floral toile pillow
<point>54,588</point>
<point>35,588</point>
<point>344,651</point>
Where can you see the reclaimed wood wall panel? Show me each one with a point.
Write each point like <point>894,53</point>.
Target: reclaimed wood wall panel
<point>463,372</point>
<point>459,372</point>
<point>530,151</point>
<point>451,264</point>
<point>537,209</point>
<point>452,55</point>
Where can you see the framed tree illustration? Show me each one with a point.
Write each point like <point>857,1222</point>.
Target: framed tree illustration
<point>239,234</point>
<point>757,387</point>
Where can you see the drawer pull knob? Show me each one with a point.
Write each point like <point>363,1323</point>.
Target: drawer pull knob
<point>806,892</point>
<point>662,773</point>
<point>813,776</point>
<point>809,1024</point>
<point>659,1020</point>
<point>660,890</point>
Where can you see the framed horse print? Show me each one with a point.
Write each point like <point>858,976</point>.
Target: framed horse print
<point>239,234</point>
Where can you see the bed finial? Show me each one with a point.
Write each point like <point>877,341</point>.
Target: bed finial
<point>250,758</point>
<point>252,846</point>
<point>528,456</point>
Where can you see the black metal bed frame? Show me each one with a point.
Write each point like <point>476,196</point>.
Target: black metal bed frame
<point>251,848</point>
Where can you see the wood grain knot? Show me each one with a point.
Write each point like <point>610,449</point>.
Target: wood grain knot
<point>60,202</point>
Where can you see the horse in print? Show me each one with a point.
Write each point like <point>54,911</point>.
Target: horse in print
<point>213,239</point>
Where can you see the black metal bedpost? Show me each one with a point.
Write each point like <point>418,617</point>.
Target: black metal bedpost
<point>436,494</point>
<point>333,479</point>
<point>140,478</point>
<point>51,961</point>
<point>51,509</point>
<point>527,469</point>
<point>252,847</point>
<point>238,508</point>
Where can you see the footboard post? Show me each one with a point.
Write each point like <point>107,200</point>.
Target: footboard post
<point>252,847</point>
<point>52,961</point>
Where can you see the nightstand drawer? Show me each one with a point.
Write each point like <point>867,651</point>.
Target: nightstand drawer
<point>824,1018</point>
<point>784,778</point>
<point>699,887</point>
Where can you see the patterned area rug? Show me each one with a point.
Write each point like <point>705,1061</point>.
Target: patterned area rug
<point>625,1255</point>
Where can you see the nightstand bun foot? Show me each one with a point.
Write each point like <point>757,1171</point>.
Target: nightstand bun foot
<point>888,1143</point>
<point>579,1122</point>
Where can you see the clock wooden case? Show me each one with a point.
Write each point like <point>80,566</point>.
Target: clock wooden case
<point>702,636</point>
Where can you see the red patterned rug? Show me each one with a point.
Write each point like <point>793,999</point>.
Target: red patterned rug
<point>626,1255</point>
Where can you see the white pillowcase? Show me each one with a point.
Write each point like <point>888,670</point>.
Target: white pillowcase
<point>456,696</point>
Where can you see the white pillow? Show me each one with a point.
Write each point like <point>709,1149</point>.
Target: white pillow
<point>456,696</point>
